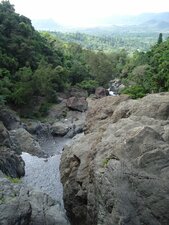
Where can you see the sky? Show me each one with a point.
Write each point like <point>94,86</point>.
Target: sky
<point>85,12</point>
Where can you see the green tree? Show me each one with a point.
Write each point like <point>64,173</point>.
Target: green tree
<point>160,38</point>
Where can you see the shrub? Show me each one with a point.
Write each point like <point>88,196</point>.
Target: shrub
<point>88,85</point>
<point>135,91</point>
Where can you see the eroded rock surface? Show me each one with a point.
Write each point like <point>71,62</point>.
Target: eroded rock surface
<point>20,205</point>
<point>117,172</point>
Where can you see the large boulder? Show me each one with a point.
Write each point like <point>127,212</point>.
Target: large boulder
<point>79,104</point>
<point>26,142</point>
<point>59,128</point>
<point>117,172</point>
<point>20,205</point>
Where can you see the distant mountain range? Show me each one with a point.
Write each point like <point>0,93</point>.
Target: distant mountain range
<point>147,22</point>
<point>46,24</point>
<point>138,19</point>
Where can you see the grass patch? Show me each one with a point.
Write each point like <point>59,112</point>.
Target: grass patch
<point>13,180</point>
<point>105,162</point>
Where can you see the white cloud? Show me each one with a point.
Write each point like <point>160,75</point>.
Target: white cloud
<point>85,12</point>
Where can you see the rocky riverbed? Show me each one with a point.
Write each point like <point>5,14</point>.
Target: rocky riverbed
<point>115,173</point>
<point>37,197</point>
<point>31,149</point>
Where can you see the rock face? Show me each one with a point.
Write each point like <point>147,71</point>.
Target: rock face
<point>20,205</point>
<point>117,172</point>
<point>9,118</point>
<point>10,162</point>
<point>4,135</point>
<point>79,104</point>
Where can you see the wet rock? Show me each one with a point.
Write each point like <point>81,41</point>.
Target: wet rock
<point>79,104</point>
<point>117,172</point>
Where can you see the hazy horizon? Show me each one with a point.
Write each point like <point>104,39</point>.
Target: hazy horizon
<point>85,13</point>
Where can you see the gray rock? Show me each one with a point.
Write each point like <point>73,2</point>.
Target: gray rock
<point>4,135</point>
<point>79,104</point>
<point>45,210</point>
<point>59,129</point>
<point>9,118</point>
<point>58,111</point>
<point>20,205</point>
<point>76,128</point>
<point>11,163</point>
<point>117,172</point>
<point>37,128</point>
<point>26,142</point>
<point>77,92</point>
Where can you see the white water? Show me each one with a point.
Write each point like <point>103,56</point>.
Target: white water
<point>43,173</point>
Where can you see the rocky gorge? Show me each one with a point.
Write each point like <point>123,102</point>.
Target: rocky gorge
<point>114,163</point>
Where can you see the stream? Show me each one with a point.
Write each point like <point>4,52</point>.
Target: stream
<point>43,173</point>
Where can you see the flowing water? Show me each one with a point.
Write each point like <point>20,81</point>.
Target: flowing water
<point>43,173</point>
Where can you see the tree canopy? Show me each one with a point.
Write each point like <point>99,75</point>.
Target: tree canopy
<point>40,64</point>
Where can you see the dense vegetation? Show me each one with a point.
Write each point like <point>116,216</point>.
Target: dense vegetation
<point>39,65</point>
<point>34,64</point>
<point>148,72</point>
<point>24,56</point>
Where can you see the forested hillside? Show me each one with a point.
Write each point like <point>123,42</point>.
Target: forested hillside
<point>112,40</point>
<point>27,61</point>
<point>148,72</point>
<point>34,64</point>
